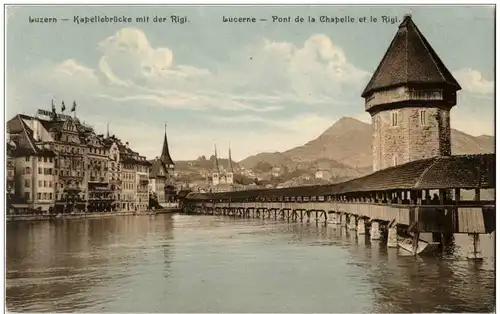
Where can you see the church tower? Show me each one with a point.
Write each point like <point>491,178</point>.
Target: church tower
<point>165,154</point>
<point>230,172</point>
<point>409,98</point>
<point>216,172</point>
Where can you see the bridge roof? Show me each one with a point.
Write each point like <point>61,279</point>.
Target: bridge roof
<point>459,171</point>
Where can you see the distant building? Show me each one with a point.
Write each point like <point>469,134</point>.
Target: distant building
<point>276,171</point>
<point>409,97</point>
<point>323,174</point>
<point>222,178</point>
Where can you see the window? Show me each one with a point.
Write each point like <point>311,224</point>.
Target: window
<point>27,170</point>
<point>27,158</point>
<point>44,183</point>
<point>39,183</point>
<point>38,196</point>
<point>50,184</point>
<point>27,196</point>
<point>394,118</point>
<point>422,117</point>
<point>44,159</point>
<point>50,196</point>
<point>26,183</point>
<point>39,170</point>
<point>44,195</point>
<point>395,160</point>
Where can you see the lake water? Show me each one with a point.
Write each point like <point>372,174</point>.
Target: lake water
<point>179,263</point>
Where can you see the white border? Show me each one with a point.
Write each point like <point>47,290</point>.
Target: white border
<point>246,3</point>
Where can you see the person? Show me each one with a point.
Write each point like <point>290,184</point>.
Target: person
<point>428,199</point>
<point>435,199</point>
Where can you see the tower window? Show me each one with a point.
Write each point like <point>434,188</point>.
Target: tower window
<point>422,117</point>
<point>395,160</point>
<point>394,119</point>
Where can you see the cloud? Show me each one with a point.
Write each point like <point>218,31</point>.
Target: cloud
<point>130,69</point>
<point>267,96</point>
<point>473,81</point>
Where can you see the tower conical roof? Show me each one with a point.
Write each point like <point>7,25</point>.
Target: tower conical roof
<point>216,161</point>
<point>409,59</point>
<point>230,161</point>
<point>165,154</point>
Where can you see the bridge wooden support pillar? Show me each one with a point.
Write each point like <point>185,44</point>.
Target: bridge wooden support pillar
<point>361,226</point>
<point>392,236</point>
<point>474,248</point>
<point>352,222</point>
<point>334,218</point>
<point>375,231</point>
<point>342,219</point>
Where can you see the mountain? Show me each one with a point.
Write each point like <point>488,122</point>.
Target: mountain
<point>348,142</point>
<point>463,143</point>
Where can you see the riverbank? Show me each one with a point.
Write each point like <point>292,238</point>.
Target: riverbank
<point>10,218</point>
<point>168,210</point>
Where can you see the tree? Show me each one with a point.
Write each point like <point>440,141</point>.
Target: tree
<point>263,166</point>
<point>241,179</point>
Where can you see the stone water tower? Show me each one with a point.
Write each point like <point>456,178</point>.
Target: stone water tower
<point>409,97</point>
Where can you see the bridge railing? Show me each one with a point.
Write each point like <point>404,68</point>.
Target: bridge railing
<point>462,217</point>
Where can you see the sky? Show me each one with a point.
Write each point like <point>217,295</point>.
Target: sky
<point>264,86</point>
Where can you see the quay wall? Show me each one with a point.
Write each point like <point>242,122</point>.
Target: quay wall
<point>68,216</point>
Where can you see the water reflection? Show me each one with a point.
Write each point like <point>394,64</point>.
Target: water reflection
<point>221,264</point>
<point>56,265</point>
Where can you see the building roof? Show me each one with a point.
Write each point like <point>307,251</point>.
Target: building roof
<point>158,169</point>
<point>459,171</point>
<point>409,59</point>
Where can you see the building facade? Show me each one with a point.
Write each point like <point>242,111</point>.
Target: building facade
<point>58,164</point>
<point>142,183</point>
<point>100,195</point>
<point>33,159</point>
<point>10,170</point>
<point>409,98</point>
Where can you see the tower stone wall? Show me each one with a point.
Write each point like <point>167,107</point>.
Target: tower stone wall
<point>419,133</point>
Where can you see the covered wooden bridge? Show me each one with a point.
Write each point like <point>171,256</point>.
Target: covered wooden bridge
<point>444,194</point>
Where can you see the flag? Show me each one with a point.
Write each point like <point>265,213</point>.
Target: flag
<point>63,107</point>
<point>74,106</point>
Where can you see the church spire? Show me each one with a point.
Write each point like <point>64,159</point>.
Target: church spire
<point>165,154</point>
<point>229,159</point>
<point>216,162</point>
